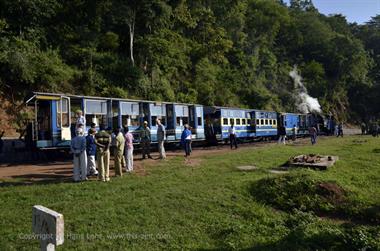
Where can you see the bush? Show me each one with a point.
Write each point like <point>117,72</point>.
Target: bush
<point>300,192</point>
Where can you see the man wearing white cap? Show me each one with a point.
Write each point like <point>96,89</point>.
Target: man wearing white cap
<point>78,147</point>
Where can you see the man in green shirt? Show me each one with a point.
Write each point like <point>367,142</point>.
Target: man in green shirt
<point>103,142</point>
<point>145,140</point>
<point>119,151</point>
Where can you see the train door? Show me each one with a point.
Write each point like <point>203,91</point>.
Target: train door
<point>200,132</point>
<point>192,118</point>
<point>43,121</point>
<point>115,114</point>
<point>63,108</point>
<point>170,122</point>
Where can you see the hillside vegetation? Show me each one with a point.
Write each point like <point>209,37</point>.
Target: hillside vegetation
<point>230,53</point>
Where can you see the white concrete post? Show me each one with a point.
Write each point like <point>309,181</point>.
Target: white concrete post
<point>48,225</point>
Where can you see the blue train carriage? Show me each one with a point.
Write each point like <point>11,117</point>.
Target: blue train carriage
<point>55,117</point>
<point>51,126</point>
<point>174,116</point>
<point>132,113</point>
<point>219,119</point>
<point>265,123</point>
<point>289,120</point>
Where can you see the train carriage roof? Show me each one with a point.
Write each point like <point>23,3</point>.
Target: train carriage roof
<point>56,96</point>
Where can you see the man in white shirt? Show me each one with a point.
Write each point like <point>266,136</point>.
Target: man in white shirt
<point>161,133</point>
<point>232,133</point>
<point>81,120</point>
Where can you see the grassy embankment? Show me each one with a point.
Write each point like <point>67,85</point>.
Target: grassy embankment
<point>212,205</point>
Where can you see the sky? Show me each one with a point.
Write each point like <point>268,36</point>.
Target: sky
<point>359,11</point>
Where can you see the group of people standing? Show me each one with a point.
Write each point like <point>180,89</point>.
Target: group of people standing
<point>91,153</point>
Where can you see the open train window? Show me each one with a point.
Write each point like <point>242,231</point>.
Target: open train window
<point>199,121</point>
<point>225,121</point>
<point>237,121</point>
<point>181,121</point>
<point>130,120</point>
<point>163,120</point>
<point>154,118</point>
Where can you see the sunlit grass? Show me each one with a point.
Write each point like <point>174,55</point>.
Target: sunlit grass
<point>176,206</point>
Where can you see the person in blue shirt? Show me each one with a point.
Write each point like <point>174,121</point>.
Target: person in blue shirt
<point>186,140</point>
<point>91,152</point>
<point>78,148</point>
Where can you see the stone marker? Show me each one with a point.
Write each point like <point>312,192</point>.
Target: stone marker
<point>247,168</point>
<point>48,226</point>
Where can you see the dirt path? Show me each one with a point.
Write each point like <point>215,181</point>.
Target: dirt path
<point>61,171</point>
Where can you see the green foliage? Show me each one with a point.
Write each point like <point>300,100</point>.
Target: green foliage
<point>235,53</point>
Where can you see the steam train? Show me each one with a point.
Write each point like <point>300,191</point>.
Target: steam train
<point>53,125</point>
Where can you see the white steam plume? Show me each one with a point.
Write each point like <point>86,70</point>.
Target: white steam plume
<point>305,103</point>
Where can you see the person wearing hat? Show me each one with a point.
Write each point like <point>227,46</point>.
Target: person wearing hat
<point>145,140</point>
<point>103,142</point>
<point>91,152</point>
<point>78,148</point>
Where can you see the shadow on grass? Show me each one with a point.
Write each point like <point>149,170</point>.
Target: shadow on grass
<point>28,182</point>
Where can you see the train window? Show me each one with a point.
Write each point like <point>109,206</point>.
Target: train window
<point>163,120</point>
<point>96,107</point>
<point>232,121</point>
<point>266,122</point>
<point>249,121</point>
<point>181,121</point>
<point>270,121</point>
<point>154,118</point>
<point>237,121</point>
<point>257,121</point>
<point>274,122</point>
<point>185,120</point>
<point>199,121</point>
<point>97,119</point>
<point>65,113</point>
<point>244,122</point>
<point>225,121</point>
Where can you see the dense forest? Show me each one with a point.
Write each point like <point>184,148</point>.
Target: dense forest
<point>226,52</point>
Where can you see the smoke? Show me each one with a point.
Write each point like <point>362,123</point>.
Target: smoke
<point>305,103</point>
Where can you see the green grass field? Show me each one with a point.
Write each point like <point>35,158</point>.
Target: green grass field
<point>209,206</point>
